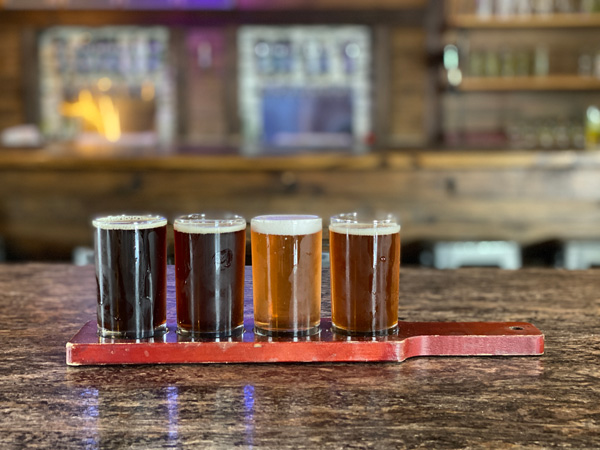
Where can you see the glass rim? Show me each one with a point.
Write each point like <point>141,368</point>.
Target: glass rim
<point>208,219</point>
<point>282,217</point>
<point>129,221</point>
<point>203,223</point>
<point>355,218</point>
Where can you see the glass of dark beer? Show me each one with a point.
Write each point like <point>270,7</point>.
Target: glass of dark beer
<point>210,254</point>
<point>131,275</point>
<point>365,274</point>
<point>286,274</point>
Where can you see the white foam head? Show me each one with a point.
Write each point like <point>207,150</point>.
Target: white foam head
<point>200,224</point>
<point>129,222</point>
<point>356,224</point>
<point>287,225</point>
<point>364,229</point>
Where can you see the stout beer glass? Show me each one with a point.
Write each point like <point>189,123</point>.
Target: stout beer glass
<point>210,255</point>
<point>131,275</point>
<point>365,274</point>
<point>286,274</point>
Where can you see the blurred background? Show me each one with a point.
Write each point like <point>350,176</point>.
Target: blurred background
<point>477,122</point>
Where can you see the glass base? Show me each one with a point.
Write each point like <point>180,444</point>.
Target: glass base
<point>385,332</point>
<point>279,333</point>
<point>146,334</point>
<point>210,334</point>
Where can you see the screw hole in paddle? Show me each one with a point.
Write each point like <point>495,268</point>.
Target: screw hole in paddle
<point>516,328</point>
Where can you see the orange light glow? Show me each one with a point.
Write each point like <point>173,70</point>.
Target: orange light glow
<point>101,114</point>
<point>148,91</point>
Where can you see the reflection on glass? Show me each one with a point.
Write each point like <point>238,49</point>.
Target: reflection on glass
<point>541,62</point>
<point>492,64</point>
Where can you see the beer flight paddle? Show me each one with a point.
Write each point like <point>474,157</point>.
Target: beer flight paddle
<point>194,312</point>
<point>412,339</point>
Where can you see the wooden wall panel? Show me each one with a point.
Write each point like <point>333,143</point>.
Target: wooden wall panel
<point>44,214</point>
<point>205,66</point>
<point>408,86</point>
<point>11,94</point>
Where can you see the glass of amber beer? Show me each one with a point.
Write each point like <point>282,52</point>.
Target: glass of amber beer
<point>131,275</point>
<point>210,254</point>
<point>365,274</point>
<point>286,274</point>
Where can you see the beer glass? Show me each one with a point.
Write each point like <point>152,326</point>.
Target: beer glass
<point>210,254</point>
<point>286,274</point>
<point>131,275</point>
<point>365,274</point>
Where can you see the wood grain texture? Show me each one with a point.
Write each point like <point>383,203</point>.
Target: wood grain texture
<point>544,402</point>
<point>47,203</point>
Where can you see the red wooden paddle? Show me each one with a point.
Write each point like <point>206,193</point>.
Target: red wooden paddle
<point>413,339</point>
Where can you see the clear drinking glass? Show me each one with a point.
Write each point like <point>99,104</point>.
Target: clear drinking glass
<point>286,274</point>
<point>131,275</point>
<point>365,274</point>
<point>210,254</point>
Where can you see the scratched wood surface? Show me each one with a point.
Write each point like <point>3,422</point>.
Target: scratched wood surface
<point>538,402</point>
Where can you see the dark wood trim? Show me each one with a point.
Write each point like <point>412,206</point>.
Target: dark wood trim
<point>120,158</point>
<point>45,18</point>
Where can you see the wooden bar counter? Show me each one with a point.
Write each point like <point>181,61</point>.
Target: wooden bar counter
<point>485,402</point>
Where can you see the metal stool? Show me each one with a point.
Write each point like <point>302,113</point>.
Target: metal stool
<point>82,256</point>
<point>547,253</point>
<point>580,255</point>
<point>452,255</point>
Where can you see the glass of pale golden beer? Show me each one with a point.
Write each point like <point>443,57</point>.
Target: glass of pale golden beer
<point>286,274</point>
<point>210,253</point>
<point>131,275</point>
<point>365,274</point>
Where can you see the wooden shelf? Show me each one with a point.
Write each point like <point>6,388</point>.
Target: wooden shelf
<point>547,83</point>
<point>406,160</point>
<point>122,159</point>
<point>208,5</point>
<point>504,159</point>
<point>573,20</point>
